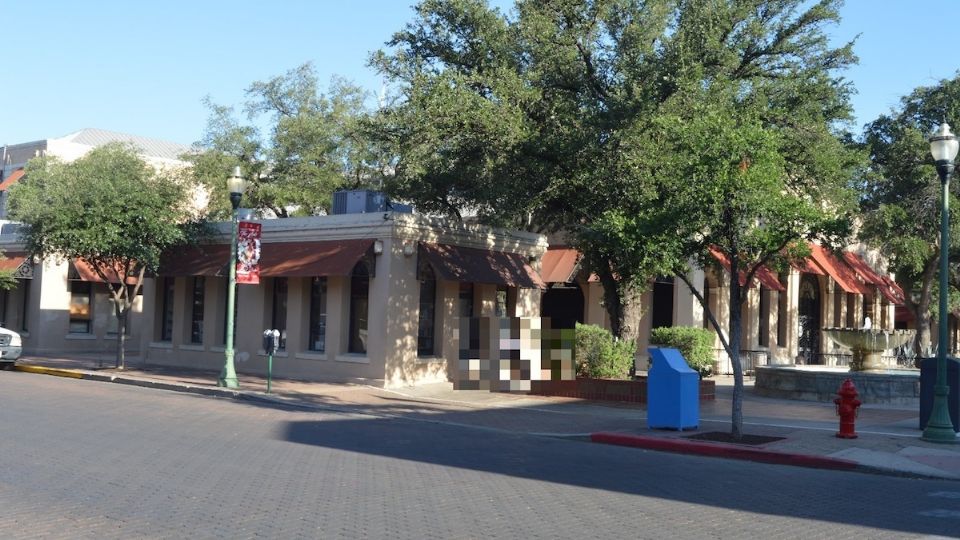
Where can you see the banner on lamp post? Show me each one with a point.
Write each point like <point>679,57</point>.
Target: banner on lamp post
<point>248,252</point>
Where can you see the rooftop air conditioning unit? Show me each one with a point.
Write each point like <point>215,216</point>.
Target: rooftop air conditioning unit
<point>361,201</point>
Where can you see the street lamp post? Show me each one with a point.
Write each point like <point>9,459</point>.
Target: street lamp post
<point>943,146</point>
<point>236,185</point>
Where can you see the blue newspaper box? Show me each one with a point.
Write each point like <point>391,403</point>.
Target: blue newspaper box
<point>673,391</point>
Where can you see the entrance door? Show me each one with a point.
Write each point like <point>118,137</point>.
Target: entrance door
<point>809,319</point>
<point>662,302</point>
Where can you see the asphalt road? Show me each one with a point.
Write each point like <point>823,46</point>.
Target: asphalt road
<point>83,459</point>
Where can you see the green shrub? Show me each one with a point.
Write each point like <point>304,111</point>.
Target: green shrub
<point>600,356</point>
<point>695,344</point>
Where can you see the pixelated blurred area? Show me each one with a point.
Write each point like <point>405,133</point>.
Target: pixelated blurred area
<point>503,354</point>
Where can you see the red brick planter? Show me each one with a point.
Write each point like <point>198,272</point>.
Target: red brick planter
<point>634,391</point>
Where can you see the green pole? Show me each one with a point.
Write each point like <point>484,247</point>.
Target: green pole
<point>269,370</point>
<point>939,427</point>
<point>228,377</point>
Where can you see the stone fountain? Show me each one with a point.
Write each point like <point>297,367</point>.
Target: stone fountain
<point>876,382</point>
<point>867,345</point>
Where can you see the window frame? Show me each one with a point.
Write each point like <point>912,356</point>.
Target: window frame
<point>427,314</point>
<point>359,314</point>
<point>87,319</point>
<point>167,292</point>
<point>199,284</point>
<point>279,303</point>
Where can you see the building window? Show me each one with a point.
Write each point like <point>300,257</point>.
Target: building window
<point>196,309</point>
<point>25,283</point>
<point>764,322</point>
<point>782,312</point>
<point>279,319</point>
<point>501,307</point>
<point>851,308</point>
<point>706,303</point>
<point>428,312</point>
<point>166,318</point>
<point>81,301</point>
<point>4,297</point>
<point>837,307</point>
<point>466,300</point>
<point>318,315</point>
<point>359,304</point>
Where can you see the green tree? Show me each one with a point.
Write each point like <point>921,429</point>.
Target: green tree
<point>728,190</point>
<point>8,281</point>
<point>108,208</point>
<point>900,196</point>
<point>573,115</point>
<point>316,145</point>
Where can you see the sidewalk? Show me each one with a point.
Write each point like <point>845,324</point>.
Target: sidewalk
<point>889,438</point>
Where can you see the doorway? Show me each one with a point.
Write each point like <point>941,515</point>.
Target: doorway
<point>808,311</point>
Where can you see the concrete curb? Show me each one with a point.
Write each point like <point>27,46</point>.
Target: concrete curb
<point>187,388</point>
<point>722,450</point>
<point>56,372</point>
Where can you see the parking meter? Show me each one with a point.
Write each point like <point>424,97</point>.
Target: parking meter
<point>271,342</point>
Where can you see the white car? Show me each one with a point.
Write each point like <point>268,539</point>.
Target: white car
<point>10,347</point>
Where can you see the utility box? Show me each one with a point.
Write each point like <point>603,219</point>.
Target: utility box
<point>928,379</point>
<point>673,391</point>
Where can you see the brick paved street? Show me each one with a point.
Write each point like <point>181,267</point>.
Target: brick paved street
<point>92,460</point>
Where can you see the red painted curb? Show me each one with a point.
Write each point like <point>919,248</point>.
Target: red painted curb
<point>685,446</point>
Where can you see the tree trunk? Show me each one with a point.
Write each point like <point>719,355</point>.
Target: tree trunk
<point>121,336</point>
<point>733,349</point>
<point>613,303</point>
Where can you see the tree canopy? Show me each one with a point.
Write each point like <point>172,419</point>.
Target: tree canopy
<point>315,145</point>
<point>108,209</point>
<point>900,197</point>
<point>625,124</point>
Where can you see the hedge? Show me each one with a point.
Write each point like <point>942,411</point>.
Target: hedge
<point>695,344</point>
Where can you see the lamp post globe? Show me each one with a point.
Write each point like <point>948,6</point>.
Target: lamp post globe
<point>943,148</point>
<point>236,185</point>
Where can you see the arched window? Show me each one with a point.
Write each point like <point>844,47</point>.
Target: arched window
<point>359,307</point>
<point>426,344</point>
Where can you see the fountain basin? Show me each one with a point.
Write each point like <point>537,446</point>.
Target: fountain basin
<point>900,387</point>
<point>867,345</point>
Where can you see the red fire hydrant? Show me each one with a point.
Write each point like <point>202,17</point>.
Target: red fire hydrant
<point>847,409</point>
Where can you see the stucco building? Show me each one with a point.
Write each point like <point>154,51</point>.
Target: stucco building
<point>375,296</point>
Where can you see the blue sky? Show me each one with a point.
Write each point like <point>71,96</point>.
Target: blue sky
<point>143,67</point>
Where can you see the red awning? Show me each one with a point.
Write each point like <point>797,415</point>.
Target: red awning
<point>12,260</point>
<point>455,263</point>
<point>201,260</point>
<point>807,265</point>
<point>277,259</point>
<point>893,291</point>
<point>763,274</point>
<point>902,314</point>
<point>85,272</point>
<point>11,180</point>
<point>559,265</point>
<point>312,259</point>
<point>867,275</point>
<point>839,271</point>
